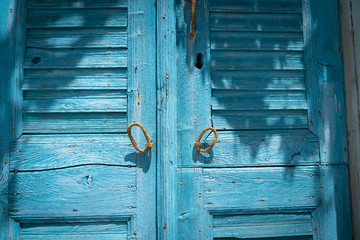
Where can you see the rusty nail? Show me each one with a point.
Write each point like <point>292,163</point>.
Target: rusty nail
<point>199,194</point>
<point>310,174</point>
<point>134,232</point>
<point>233,182</point>
<point>11,10</point>
<point>4,210</point>
<point>71,146</point>
<point>131,207</point>
<point>164,226</point>
<point>262,201</point>
<point>5,161</point>
<point>91,139</point>
<point>311,197</point>
<point>164,16</point>
<point>17,150</point>
<point>180,182</point>
<point>199,229</point>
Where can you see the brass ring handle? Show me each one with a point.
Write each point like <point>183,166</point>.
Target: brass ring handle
<point>148,145</point>
<point>198,143</point>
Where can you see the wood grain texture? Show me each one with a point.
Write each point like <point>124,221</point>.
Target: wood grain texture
<point>43,152</point>
<point>258,80</point>
<point>255,6</point>
<point>194,219</point>
<point>65,18</point>
<point>258,100</point>
<point>327,118</point>
<point>262,226</point>
<point>90,191</point>
<point>350,22</point>
<point>166,127</point>
<point>60,231</point>
<point>142,104</point>
<point>77,38</point>
<point>75,58</point>
<point>75,79</point>
<point>272,119</point>
<point>254,60</point>
<point>67,122</point>
<point>58,4</point>
<point>262,188</point>
<point>74,101</point>
<point>230,21</point>
<point>12,34</point>
<point>256,40</point>
<point>258,148</point>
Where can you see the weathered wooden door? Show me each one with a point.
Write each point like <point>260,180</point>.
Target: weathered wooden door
<point>88,70</point>
<point>268,76</point>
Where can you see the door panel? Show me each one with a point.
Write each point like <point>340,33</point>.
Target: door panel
<point>262,179</point>
<point>74,173</point>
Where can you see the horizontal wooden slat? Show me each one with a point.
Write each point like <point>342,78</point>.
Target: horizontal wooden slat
<point>60,231</point>
<point>258,100</point>
<point>262,188</point>
<point>258,148</point>
<point>256,41</point>
<point>254,60</point>
<point>36,58</point>
<point>246,120</point>
<point>122,236</point>
<point>77,38</point>
<point>262,226</point>
<point>75,79</point>
<point>255,6</point>
<point>57,18</point>
<point>258,80</point>
<point>90,191</point>
<point>41,152</point>
<point>281,22</point>
<point>76,4</point>
<point>74,101</point>
<point>74,123</point>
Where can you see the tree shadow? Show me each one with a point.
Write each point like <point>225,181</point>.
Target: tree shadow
<point>257,74</point>
<point>75,67</point>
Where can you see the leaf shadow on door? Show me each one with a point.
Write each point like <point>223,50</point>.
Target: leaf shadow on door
<point>75,67</point>
<point>258,81</point>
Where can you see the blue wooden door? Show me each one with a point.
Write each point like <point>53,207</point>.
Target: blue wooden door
<point>267,76</point>
<point>88,71</point>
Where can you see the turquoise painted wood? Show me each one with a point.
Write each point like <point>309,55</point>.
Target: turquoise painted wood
<point>82,77</point>
<point>270,82</point>
<point>267,74</point>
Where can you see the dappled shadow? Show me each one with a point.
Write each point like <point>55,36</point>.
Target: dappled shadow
<point>257,73</point>
<point>75,67</point>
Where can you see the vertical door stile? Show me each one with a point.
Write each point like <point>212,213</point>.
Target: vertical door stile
<point>327,116</point>
<point>142,109</point>
<point>166,119</point>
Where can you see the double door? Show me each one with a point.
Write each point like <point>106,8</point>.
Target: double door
<point>251,73</point>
